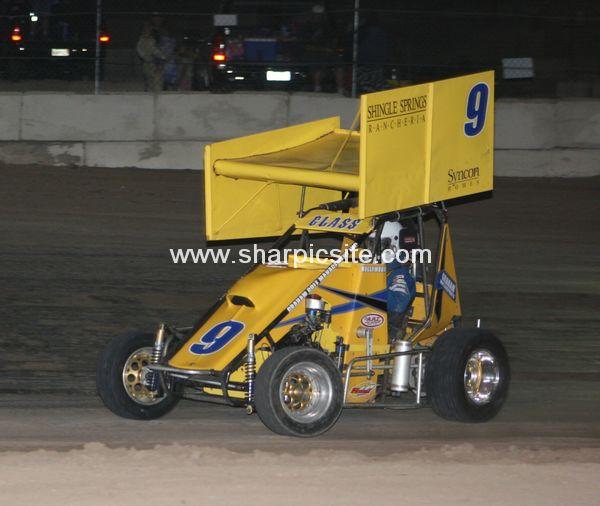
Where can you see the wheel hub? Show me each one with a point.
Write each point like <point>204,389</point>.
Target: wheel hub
<point>298,392</point>
<point>481,377</point>
<point>306,392</point>
<point>134,377</point>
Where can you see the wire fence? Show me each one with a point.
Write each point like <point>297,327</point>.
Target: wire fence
<point>297,46</point>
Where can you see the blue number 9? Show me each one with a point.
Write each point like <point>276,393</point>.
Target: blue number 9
<point>217,337</point>
<point>476,109</point>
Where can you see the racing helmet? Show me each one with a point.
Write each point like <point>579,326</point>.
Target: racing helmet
<point>390,235</point>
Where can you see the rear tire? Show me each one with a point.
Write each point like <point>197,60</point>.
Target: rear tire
<point>111,379</point>
<point>299,392</point>
<point>467,375</point>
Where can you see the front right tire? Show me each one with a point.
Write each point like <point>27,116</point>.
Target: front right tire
<point>467,375</point>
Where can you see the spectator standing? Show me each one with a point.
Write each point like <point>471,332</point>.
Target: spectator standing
<point>373,53</point>
<point>153,58</point>
<point>320,47</point>
<point>168,45</point>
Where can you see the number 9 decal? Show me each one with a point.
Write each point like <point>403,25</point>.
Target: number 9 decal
<point>217,337</point>
<point>477,102</point>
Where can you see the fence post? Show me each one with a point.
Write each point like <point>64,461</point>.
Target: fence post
<point>97,56</point>
<point>355,48</point>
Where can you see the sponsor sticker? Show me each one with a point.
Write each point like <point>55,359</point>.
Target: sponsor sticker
<point>336,222</point>
<point>372,320</point>
<point>372,268</point>
<point>446,283</point>
<point>363,389</point>
<point>463,178</point>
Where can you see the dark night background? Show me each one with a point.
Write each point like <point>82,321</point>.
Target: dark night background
<point>425,39</point>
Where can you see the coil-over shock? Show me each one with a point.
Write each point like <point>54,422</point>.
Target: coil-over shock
<point>250,370</point>
<point>152,379</point>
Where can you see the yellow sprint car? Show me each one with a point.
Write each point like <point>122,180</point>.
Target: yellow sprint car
<point>299,339</point>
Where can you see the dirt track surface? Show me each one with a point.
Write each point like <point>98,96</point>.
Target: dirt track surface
<point>84,256</point>
<point>191,475</point>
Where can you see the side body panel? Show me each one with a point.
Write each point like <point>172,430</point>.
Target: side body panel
<point>356,295</point>
<point>444,293</point>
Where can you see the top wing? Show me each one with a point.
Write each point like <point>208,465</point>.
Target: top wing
<point>417,145</point>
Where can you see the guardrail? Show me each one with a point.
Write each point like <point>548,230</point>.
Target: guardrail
<point>169,130</point>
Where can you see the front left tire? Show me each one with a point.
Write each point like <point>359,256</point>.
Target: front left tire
<point>299,392</point>
<point>120,379</point>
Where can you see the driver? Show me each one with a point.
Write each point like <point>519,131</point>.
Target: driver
<point>400,283</point>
